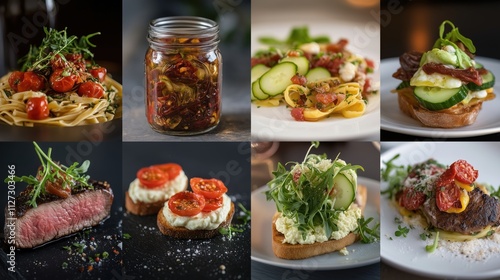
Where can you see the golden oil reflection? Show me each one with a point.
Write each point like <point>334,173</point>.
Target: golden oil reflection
<point>420,37</point>
<point>363,3</point>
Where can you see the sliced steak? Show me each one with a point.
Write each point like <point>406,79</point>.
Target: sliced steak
<point>482,211</point>
<point>55,217</point>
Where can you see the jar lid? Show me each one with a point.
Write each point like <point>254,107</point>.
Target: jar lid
<point>190,27</point>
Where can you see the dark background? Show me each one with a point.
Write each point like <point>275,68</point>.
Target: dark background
<point>152,255</point>
<point>414,25</point>
<point>105,164</point>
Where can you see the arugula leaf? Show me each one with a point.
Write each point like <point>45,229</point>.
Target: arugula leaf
<point>367,234</point>
<point>395,175</point>
<point>298,36</point>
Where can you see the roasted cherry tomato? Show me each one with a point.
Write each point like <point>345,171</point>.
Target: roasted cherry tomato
<point>91,89</point>
<point>446,178</point>
<point>31,81</point>
<point>447,197</point>
<point>152,177</point>
<point>99,73</point>
<point>62,81</point>
<point>209,188</point>
<point>411,199</point>
<point>186,203</point>
<point>465,173</point>
<point>37,108</point>
<point>14,79</point>
<point>212,204</point>
<point>172,169</point>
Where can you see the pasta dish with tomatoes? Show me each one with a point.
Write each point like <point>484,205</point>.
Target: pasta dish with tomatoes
<point>59,84</point>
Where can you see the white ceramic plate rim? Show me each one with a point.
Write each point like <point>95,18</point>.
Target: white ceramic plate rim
<point>323,262</point>
<point>408,253</point>
<point>392,119</point>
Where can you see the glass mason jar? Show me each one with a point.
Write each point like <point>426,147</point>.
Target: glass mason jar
<point>183,75</point>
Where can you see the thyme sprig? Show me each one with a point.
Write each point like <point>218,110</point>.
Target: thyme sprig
<point>51,172</point>
<point>56,43</point>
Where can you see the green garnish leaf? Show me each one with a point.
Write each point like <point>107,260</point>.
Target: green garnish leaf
<point>126,236</point>
<point>431,248</point>
<point>395,175</point>
<point>402,231</point>
<point>105,255</point>
<point>367,234</point>
<point>297,37</point>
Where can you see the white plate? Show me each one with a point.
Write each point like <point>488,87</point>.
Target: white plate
<point>409,253</point>
<point>359,254</point>
<point>276,123</point>
<point>392,119</point>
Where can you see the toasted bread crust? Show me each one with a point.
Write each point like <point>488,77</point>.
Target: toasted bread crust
<point>142,208</point>
<point>183,233</point>
<point>299,251</point>
<point>459,116</point>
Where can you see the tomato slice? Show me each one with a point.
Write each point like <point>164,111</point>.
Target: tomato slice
<point>186,203</point>
<point>152,177</point>
<point>209,188</point>
<point>465,173</point>
<point>172,169</point>
<point>212,204</point>
<point>446,178</point>
<point>447,196</point>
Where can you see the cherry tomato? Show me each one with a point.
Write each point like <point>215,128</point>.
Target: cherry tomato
<point>298,114</point>
<point>212,204</point>
<point>446,178</point>
<point>151,177</point>
<point>209,188</point>
<point>465,173</point>
<point>447,196</point>
<point>172,169</point>
<point>37,108</point>
<point>186,203</point>
<point>411,199</point>
<point>62,81</point>
<point>91,89</point>
<point>31,81</point>
<point>99,73</point>
<point>14,79</point>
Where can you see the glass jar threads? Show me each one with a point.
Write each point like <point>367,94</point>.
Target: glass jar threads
<point>183,75</point>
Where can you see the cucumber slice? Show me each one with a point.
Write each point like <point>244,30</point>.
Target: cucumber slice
<point>344,192</point>
<point>478,65</point>
<point>275,81</point>
<point>434,98</point>
<point>301,62</point>
<point>257,93</point>
<point>488,82</point>
<point>317,73</point>
<point>403,84</point>
<point>257,71</point>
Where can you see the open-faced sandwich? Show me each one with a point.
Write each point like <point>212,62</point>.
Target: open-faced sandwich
<point>59,200</point>
<point>319,206</point>
<point>444,87</point>
<point>153,186</point>
<point>445,199</point>
<point>198,214</point>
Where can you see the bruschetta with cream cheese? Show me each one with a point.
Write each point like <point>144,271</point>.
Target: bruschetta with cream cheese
<point>153,186</point>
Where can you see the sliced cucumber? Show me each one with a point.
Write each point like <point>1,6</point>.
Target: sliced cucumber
<point>257,71</point>
<point>478,65</point>
<point>257,93</point>
<point>434,98</point>
<point>301,62</point>
<point>403,84</point>
<point>317,73</point>
<point>488,82</point>
<point>344,192</point>
<point>275,81</point>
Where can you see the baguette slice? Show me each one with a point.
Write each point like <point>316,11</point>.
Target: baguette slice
<point>457,116</point>
<point>183,233</point>
<point>303,251</point>
<point>142,208</point>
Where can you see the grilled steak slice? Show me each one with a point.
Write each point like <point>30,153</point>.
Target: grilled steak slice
<point>56,217</point>
<point>482,211</point>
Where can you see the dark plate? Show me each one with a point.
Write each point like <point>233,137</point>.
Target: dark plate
<point>46,262</point>
<point>150,254</point>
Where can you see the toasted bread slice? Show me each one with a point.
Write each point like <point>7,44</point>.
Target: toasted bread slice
<point>183,233</point>
<point>142,208</point>
<point>300,251</point>
<point>457,116</point>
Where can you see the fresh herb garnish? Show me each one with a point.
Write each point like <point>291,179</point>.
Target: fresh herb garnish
<point>233,229</point>
<point>79,247</point>
<point>126,236</point>
<point>395,175</point>
<point>297,37</point>
<point>302,194</point>
<point>367,234</point>
<point>56,43</point>
<point>431,248</point>
<point>69,177</point>
<point>402,231</point>
<point>453,37</point>
<point>105,255</point>
<point>425,235</point>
